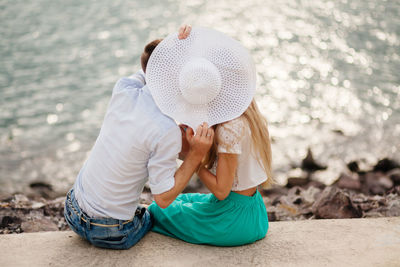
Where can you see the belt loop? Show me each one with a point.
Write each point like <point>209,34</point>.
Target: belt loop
<point>121,226</point>
<point>87,223</point>
<point>80,217</point>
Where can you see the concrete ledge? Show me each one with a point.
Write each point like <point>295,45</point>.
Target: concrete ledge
<point>351,242</point>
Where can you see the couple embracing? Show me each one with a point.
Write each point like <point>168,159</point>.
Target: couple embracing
<point>205,81</point>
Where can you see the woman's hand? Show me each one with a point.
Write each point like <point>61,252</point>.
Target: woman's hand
<point>184,31</point>
<point>201,142</point>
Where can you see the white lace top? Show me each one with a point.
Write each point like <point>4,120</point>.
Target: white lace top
<point>234,137</point>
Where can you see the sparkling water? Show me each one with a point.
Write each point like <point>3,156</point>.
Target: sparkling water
<point>328,76</point>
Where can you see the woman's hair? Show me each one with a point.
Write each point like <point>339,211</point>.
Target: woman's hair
<point>260,140</point>
<point>148,49</point>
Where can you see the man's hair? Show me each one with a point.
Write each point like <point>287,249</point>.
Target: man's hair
<point>148,49</point>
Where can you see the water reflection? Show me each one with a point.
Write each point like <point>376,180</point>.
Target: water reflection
<point>324,68</point>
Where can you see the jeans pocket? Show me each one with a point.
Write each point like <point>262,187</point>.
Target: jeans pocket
<point>114,242</point>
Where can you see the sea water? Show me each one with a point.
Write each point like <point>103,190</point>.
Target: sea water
<point>327,76</point>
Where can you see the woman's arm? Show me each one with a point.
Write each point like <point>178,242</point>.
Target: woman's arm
<point>220,185</point>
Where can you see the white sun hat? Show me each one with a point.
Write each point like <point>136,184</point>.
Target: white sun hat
<point>207,77</point>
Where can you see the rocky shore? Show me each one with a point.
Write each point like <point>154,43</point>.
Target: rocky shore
<point>357,193</point>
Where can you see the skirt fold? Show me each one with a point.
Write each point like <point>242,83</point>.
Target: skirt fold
<point>203,219</point>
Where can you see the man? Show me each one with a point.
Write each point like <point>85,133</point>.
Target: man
<point>137,143</point>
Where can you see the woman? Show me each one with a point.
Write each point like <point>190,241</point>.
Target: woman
<point>234,213</point>
<point>210,77</point>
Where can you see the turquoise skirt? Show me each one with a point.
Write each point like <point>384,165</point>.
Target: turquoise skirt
<point>203,219</point>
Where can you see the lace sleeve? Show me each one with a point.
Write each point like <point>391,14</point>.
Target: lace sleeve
<point>230,135</point>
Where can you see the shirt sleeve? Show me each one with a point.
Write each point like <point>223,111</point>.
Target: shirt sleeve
<point>135,81</point>
<point>138,78</point>
<point>230,135</point>
<point>162,163</point>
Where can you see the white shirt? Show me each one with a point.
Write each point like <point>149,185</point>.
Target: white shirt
<point>136,144</point>
<point>234,137</point>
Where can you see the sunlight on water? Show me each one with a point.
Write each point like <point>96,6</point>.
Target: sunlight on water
<point>327,75</point>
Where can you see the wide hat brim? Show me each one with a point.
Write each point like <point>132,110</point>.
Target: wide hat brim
<point>235,66</point>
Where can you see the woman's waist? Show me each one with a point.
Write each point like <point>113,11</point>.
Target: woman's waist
<point>246,192</point>
<point>240,198</point>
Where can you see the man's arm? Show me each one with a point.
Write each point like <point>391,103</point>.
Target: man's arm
<point>199,146</point>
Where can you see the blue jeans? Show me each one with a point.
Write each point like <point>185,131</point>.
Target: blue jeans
<point>107,232</point>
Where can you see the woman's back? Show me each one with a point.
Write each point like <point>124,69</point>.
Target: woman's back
<point>234,137</point>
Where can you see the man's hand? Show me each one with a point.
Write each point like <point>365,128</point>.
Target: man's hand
<point>185,143</point>
<point>200,142</point>
<point>184,31</point>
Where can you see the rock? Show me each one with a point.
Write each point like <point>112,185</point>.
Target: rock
<point>8,220</point>
<point>291,182</point>
<point>293,196</point>
<point>373,214</point>
<point>274,192</point>
<point>316,184</point>
<point>393,205</point>
<point>21,214</point>
<point>379,206</point>
<point>271,216</point>
<point>59,202</point>
<point>386,165</point>
<point>5,197</point>
<point>309,164</point>
<point>394,175</point>
<point>310,194</point>
<point>349,182</point>
<point>368,203</point>
<point>42,189</point>
<point>375,183</point>
<point>334,203</point>
<point>353,166</point>
<point>295,205</point>
<point>395,190</point>
<point>37,205</point>
<point>297,177</point>
<point>291,209</point>
<point>285,207</point>
<point>42,224</point>
<point>386,182</point>
<point>20,201</point>
<point>55,208</point>
<point>40,185</point>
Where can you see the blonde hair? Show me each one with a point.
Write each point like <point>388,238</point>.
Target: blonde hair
<point>260,140</point>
